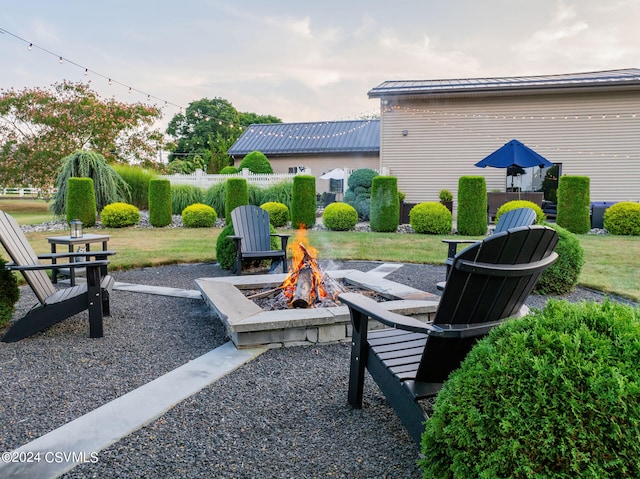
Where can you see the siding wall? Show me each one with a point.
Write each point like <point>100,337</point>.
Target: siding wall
<point>595,135</point>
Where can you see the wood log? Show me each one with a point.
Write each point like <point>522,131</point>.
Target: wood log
<point>304,287</point>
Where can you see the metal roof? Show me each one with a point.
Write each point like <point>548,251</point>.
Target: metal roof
<point>352,136</point>
<point>502,85</point>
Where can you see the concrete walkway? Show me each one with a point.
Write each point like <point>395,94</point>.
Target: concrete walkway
<point>81,440</point>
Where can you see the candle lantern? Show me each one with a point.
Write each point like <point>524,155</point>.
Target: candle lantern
<point>76,228</point>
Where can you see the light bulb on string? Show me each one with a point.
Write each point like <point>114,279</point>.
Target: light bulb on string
<point>109,81</point>
<point>30,46</point>
<point>60,59</point>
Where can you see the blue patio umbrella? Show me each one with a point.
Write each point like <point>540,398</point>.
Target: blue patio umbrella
<point>512,154</point>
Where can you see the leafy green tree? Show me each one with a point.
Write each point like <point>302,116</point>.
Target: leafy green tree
<point>208,127</point>
<point>40,127</point>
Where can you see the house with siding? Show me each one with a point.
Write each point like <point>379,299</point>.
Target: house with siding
<point>314,147</point>
<point>432,132</point>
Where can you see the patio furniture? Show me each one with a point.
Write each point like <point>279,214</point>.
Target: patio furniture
<point>55,304</point>
<point>510,219</point>
<point>410,359</point>
<point>252,237</point>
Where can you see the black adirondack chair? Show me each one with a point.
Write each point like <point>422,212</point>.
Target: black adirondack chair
<point>410,359</point>
<point>252,238</point>
<point>508,220</point>
<point>55,304</point>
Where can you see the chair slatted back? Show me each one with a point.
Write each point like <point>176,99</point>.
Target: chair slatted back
<point>514,218</point>
<point>489,281</point>
<point>252,223</point>
<point>22,254</point>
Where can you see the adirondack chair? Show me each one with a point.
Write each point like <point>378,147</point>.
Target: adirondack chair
<point>410,359</point>
<point>508,220</point>
<point>252,238</point>
<point>55,304</point>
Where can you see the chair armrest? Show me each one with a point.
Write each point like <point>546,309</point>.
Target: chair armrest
<point>284,239</point>
<point>372,309</point>
<point>453,245</point>
<point>35,267</point>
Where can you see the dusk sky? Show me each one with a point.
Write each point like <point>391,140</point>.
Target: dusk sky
<point>304,61</point>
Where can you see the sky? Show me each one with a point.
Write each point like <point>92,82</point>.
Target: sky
<point>302,60</point>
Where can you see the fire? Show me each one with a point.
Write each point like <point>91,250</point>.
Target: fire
<point>304,268</point>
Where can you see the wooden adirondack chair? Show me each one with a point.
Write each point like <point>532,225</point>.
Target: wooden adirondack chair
<point>252,237</point>
<point>55,304</point>
<point>508,220</point>
<point>410,359</point>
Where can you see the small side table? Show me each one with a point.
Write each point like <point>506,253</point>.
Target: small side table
<point>85,240</point>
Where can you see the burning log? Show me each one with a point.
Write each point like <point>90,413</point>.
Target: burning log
<point>304,288</point>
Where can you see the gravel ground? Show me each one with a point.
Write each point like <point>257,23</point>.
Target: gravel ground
<point>282,415</point>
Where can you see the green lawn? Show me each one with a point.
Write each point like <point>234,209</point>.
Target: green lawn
<point>611,262</point>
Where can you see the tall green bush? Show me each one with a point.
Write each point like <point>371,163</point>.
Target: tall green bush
<point>472,206</point>
<point>183,196</point>
<point>237,194</point>
<point>303,202</point>
<point>81,201</point>
<point>256,162</point>
<point>552,395</point>
<point>160,202</point>
<point>109,187</point>
<point>9,293</point>
<point>385,205</point>
<point>138,180</point>
<point>574,205</point>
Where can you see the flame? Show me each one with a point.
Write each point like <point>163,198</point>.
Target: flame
<point>304,255</point>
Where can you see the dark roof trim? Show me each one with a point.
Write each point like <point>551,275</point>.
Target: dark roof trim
<point>329,137</point>
<point>612,79</point>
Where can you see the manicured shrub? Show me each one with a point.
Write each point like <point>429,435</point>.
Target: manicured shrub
<point>623,218</point>
<point>81,201</point>
<point>256,162</point>
<point>119,215</point>
<point>160,202</point>
<point>562,276</point>
<point>553,395</point>
<point>303,202</point>
<point>431,218</point>
<point>574,205</point>
<point>385,205</point>
<point>108,186</point>
<point>199,215</point>
<point>138,181</point>
<point>237,194</point>
<point>358,194</point>
<point>9,293</point>
<point>515,204</point>
<point>472,206</point>
<point>340,216</point>
<point>228,170</point>
<point>445,195</point>
<point>183,196</point>
<point>278,213</point>
<point>225,248</point>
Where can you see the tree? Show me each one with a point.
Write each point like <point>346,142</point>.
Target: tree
<point>39,127</point>
<point>208,128</point>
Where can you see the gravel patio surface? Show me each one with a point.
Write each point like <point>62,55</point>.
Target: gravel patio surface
<point>283,415</point>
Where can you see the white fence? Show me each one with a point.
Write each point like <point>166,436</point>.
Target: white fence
<point>202,180</point>
<point>25,191</point>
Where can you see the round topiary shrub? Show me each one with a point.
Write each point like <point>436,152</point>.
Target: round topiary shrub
<point>119,215</point>
<point>358,194</point>
<point>81,201</point>
<point>278,213</point>
<point>515,204</point>
<point>256,162</point>
<point>562,276</point>
<point>623,219</point>
<point>9,293</point>
<point>199,215</point>
<point>228,170</point>
<point>339,217</point>
<point>553,395</point>
<point>431,218</point>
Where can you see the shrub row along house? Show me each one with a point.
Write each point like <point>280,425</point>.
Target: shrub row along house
<point>432,132</point>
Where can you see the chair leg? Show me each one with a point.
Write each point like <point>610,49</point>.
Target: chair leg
<point>95,299</point>
<point>359,352</point>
